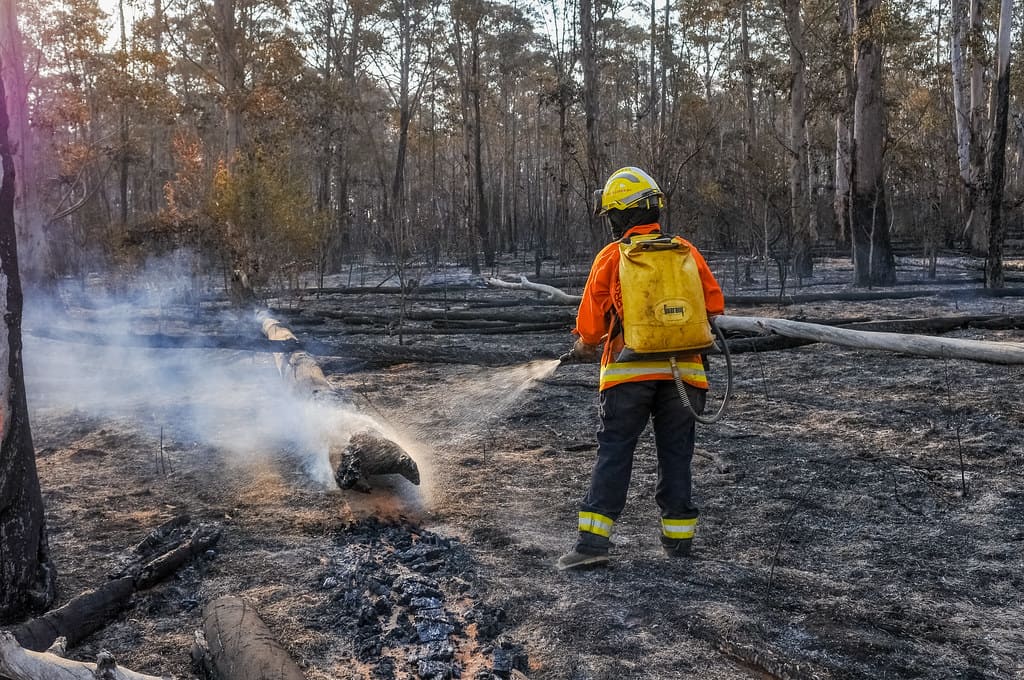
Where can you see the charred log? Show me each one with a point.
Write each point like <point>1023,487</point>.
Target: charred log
<point>475,316</point>
<point>866,296</point>
<point>162,340</point>
<point>365,454</point>
<point>355,353</point>
<point>466,328</point>
<point>203,539</point>
<point>559,297</point>
<point>91,610</point>
<point>77,619</point>
<point>368,454</point>
<point>160,540</point>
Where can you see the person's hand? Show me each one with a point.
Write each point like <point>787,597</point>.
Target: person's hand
<point>581,353</point>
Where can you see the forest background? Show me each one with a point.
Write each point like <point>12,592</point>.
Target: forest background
<point>265,138</point>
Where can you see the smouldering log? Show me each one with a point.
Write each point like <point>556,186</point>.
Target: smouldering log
<point>369,454</point>
<point>366,454</point>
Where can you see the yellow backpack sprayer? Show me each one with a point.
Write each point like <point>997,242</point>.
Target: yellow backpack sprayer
<point>663,311</point>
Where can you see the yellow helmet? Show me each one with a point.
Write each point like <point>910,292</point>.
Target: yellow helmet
<point>628,187</point>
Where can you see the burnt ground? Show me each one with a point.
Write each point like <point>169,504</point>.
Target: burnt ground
<point>861,511</point>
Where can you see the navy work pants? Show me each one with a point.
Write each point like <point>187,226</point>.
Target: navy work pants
<point>625,411</point>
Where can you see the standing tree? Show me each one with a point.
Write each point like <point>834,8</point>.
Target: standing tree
<point>872,252</point>
<point>27,201</point>
<point>844,125</point>
<point>997,154</point>
<point>27,580</point>
<point>979,189</point>
<point>595,169</point>
<point>802,233</point>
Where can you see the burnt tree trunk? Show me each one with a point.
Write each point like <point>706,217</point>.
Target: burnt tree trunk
<point>27,579</point>
<point>366,453</point>
<point>241,647</point>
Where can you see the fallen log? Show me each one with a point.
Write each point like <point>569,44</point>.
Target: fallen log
<point>938,348</point>
<point>79,618</point>
<point>557,296</point>
<point>91,610</point>
<point>553,294</point>
<point>160,340</point>
<point>159,541</point>
<point>381,355</point>
<point>868,296</point>
<point>241,647</point>
<point>498,328</point>
<point>357,353</point>
<point>933,325</point>
<point>369,454</point>
<point>204,538</point>
<point>297,367</point>
<point>558,314</point>
<point>18,663</point>
<point>365,453</point>
<point>936,324</point>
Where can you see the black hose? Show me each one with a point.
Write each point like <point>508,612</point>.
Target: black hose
<point>681,387</point>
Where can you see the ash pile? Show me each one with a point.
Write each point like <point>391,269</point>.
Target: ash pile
<point>408,601</point>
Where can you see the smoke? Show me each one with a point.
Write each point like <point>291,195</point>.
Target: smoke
<point>232,401</point>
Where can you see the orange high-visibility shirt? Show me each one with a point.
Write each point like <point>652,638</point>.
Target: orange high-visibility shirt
<point>594,320</point>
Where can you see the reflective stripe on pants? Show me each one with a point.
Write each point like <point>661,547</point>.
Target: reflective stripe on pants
<point>595,523</point>
<point>676,529</point>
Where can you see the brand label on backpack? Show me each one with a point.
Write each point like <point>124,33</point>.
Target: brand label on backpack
<point>662,296</point>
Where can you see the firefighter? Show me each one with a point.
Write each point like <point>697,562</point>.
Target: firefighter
<point>633,392</point>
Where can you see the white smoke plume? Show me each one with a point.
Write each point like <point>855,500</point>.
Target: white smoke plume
<point>232,400</point>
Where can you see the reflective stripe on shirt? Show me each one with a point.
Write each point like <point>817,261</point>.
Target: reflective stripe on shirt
<point>618,372</point>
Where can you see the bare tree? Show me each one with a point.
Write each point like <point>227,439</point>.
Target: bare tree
<point>961,92</point>
<point>979,197</point>
<point>802,234</point>
<point>28,209</point>
<point>27,579</point>
<point>591,104</point>
<point>997,155</point>
<point>872,252</point>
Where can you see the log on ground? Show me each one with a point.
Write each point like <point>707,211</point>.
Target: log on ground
<point>938,348</point>
<point>77,619</point>
<point>365,454</point>
<point>91,610</point>
<point>929,325</point>
<point>240,645</point>
<point>368,454</point>
<point>18,663</point>
<point>203,539</point>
